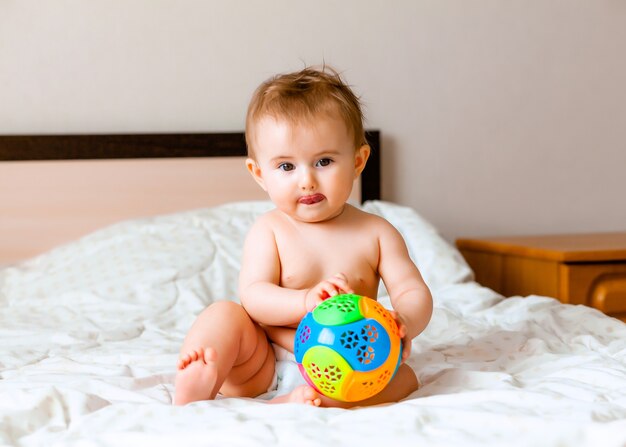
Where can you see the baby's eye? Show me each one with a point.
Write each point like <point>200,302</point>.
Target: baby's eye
<point>323,162</point>
<point>286,167</point>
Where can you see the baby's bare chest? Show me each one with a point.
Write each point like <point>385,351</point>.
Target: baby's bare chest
<point>307,259</point>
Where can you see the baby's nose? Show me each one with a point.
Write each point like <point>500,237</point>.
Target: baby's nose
<point>307,181</point>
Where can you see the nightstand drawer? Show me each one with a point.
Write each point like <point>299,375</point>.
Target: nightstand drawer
<point>601,285</point>
<point>587,269</point>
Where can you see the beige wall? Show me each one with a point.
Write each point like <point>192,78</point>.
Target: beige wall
<point>499,117</point>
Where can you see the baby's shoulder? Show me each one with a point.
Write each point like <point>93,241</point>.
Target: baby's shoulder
<point>270,219</point>
<point>370,220</point>
<point>263,225</point>
<point>273,222</point>
<point>374,226</point>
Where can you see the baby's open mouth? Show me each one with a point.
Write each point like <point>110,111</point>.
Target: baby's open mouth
<point>312,199</point>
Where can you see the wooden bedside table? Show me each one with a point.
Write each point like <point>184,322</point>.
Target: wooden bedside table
<point>585,269</point>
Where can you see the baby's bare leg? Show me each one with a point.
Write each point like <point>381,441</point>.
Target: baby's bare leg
<point>402,384</point>
<point>224,350</point>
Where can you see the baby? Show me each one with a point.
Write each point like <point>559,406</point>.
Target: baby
<point>306,147</point>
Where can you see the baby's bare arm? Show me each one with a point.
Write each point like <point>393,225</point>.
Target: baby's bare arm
<point>410,296</point>
<point>259,278</point>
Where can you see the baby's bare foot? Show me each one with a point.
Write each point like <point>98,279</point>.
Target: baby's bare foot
<point>304,394</point>
<point>196,377</point>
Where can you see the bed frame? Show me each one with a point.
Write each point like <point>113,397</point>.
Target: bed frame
<point>56,188</point>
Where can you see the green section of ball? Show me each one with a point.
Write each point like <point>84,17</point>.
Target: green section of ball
<point>338,310</point>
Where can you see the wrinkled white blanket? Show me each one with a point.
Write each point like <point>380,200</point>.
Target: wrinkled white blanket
<point>90,332</point>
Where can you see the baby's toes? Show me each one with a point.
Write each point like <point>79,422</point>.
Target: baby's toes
<point>209,355</point>
<point>311,397</point>
<point>315,402</point>
<point>196,355</point>
<point>184,361</point>
<point>189,357</point>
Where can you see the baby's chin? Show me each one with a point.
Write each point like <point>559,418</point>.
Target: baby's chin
<point>314,216</point>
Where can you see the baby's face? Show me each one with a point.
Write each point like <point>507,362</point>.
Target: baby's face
<point>307,169</point>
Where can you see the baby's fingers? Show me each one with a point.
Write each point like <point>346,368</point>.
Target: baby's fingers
<point>406,349</point>
<point>340,281</point>
<point>406,343</point>
<point>399,322</point>
<point>328,289</point>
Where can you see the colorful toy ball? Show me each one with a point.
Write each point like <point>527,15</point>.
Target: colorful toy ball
<point>348,347</point>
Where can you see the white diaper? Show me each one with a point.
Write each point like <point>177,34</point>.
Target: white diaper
<point>286,374</point>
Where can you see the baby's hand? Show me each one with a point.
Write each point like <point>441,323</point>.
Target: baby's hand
<point>402,330</point>
<point>330,287</point>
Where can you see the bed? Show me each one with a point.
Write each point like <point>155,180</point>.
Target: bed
<point>105,270</point>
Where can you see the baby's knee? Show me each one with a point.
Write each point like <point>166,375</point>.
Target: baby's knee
<point>226,306</point>
<point>227,311</point>
<point>230,312</point>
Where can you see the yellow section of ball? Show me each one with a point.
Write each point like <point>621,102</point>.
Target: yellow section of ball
<point>328,371</point>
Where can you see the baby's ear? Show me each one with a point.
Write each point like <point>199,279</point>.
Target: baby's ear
<point>255,171</point>
<point>360,159</point>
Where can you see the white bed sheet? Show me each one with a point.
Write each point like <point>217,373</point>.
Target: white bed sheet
<point>90,332</point>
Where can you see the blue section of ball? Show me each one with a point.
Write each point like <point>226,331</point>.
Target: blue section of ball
<point>306,334</point>
<point>364,344</point>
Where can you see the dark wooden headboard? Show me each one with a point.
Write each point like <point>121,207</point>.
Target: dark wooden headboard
<point>170,145</point>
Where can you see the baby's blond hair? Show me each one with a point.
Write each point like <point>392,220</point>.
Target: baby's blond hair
<point>303,95</point>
